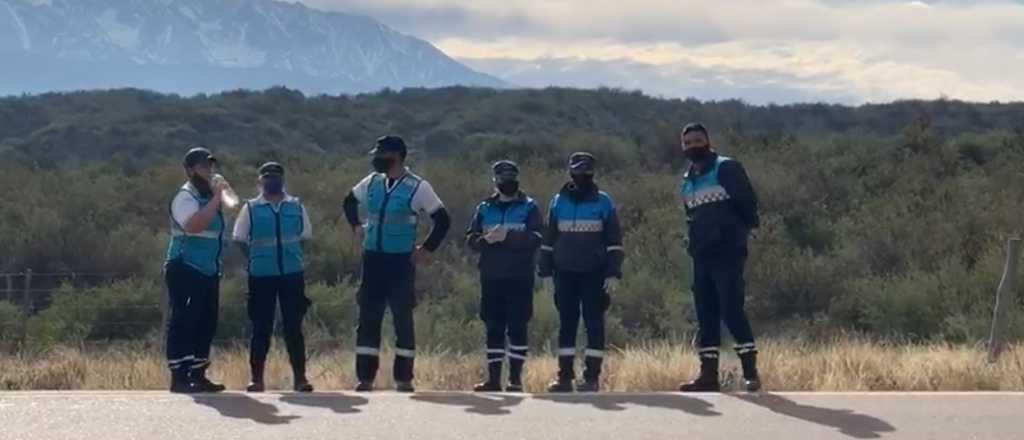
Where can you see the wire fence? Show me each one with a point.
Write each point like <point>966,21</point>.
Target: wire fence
<point>27,301</point>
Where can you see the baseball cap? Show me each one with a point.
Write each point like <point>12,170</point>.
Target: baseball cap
<point>271,168</point>
<point>582,163</point>
<point>505,170</point>
<point>196,156</point>
<point>389,144</point>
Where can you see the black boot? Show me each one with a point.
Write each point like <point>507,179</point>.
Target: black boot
<point>302,385</point>
<point>515,376</point>
<point>180,382</point>
<point>256,386</point>
<point>751,378</point>
<point>561,385</point>
<point>591,375</point>
<point>493,382</point>
<point>202,383</point>
<point>706,381</point>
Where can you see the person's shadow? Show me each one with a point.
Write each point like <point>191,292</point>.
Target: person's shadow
<point>241,406</point>
<point>617,402</point>
<point>486,404</point>
<point>337,402</point>
<point>846,421</point>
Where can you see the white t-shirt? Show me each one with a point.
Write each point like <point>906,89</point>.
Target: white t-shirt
<point>425,200</point>
<point>242,225</point>
<point>184,205</point>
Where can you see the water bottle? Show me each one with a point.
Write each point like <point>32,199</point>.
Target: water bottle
<point>228,195</point>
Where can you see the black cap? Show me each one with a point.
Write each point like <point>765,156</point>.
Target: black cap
<point>695,126</point>
<point>582,163</point>
<point>271,168</point>
<point>390,144</point>
<point>196,156</point>
<point>505,170</point>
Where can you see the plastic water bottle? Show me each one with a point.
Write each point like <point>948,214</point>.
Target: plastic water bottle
<point>228,195</point>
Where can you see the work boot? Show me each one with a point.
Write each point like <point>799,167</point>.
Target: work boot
<point>514,386</point>
<point>203,384</point>
<point>256,385</point>
<point>561,385</point>
<point>364,387</point>
<point>404,387</point>
<point>488,387</point>
<point>588,386</point>
<point>706,381</point>
<point>493,382</point>
<point>751,378</point>
<point>303,386</point>
<point>180,382</point>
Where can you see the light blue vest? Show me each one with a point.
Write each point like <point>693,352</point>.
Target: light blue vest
<point>275,237</point>
<point>391,220</point>
<point>705,188</point>
<point>513,218</point>
<point>201,251</point>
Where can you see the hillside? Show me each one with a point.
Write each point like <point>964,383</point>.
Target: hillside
<point>888,220</point>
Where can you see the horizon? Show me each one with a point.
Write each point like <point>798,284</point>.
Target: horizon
<point>851,53</point>
<point>760,52</point>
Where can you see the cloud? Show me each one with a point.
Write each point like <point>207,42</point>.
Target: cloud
<point>867,50</point>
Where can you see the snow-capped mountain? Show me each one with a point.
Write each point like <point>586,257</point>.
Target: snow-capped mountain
<point>190,46</point>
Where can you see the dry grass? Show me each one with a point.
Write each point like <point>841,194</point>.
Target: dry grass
<point>845,365</point>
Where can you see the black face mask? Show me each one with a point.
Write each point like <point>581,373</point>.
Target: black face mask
<point>273,186</point>
<point>202,185</point>
<point>509,189</point>
<point>584,182</point>
<point>383,164</point>
<point>697,155</point>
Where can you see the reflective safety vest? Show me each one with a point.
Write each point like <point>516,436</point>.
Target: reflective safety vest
<point>704,189</point>
<point>275,237</point>
<point>513,217</point>
<point>201,251</point>
<point>392,221</point>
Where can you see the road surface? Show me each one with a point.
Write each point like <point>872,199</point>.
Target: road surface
<point>345,415</point>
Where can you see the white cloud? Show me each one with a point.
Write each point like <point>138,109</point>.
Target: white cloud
<point>866,50</point>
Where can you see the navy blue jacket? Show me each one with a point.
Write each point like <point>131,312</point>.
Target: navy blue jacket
<point>516,256</point>
<point>721,207</point>
<point>582,235</point>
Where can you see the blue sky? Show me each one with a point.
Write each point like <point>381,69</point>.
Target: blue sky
<point>758,50</point>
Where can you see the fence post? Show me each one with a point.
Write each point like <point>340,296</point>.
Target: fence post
<point>26,304</point>
<point>1004,300</point>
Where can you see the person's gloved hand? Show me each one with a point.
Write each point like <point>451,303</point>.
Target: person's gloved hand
<point>611,284</point>
<point>496,235</point>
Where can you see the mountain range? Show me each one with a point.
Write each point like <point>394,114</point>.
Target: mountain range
<point>204,46</point>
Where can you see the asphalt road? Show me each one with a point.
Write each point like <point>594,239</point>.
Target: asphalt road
<point>158,416</point>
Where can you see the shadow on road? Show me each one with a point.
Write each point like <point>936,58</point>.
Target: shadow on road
<point>617,402</point>
<point>485,404</point>
<point>339,403</point>
<point>846,421</point>
<point>240,406</point>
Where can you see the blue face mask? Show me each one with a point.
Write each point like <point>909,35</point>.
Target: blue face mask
<point>273,186</point>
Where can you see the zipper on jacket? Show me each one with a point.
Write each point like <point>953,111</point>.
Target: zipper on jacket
<point>280,247</point>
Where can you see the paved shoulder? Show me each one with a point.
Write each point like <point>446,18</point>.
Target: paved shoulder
<point>613,416</point>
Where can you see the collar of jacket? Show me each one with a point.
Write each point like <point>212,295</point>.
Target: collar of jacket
<point>695,171</point>
<point>496,198</point>
<point>570,190</point>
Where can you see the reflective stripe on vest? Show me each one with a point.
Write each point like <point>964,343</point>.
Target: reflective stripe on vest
<point>583,216</point>
<point>391,225</point>
<point>275,237</point>
<point>200,251</point>
<point>704,189</point>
